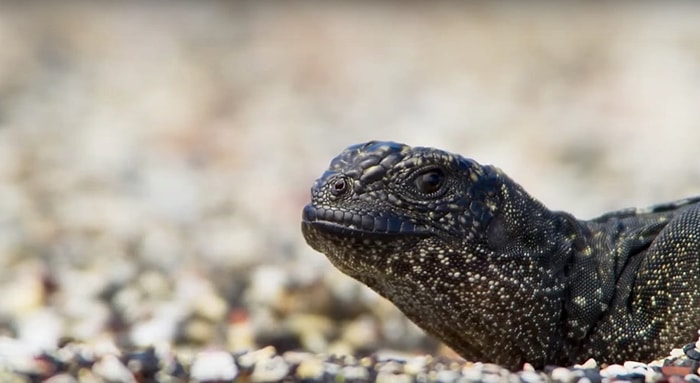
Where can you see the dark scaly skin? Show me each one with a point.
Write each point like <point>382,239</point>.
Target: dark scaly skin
<point>474,260</point>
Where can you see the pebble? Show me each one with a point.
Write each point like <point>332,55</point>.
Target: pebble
<point>332,369</point>
<point>416,364</point>
<point>447,376</point>
<point>267,284</point>
<point>160,327</point>
<point>271,369</point>
<point>386,377</point>
<point>61,378</point>
<point>111,369</point>
<point>354,373</point>
<point>590,363</point>
<point>13,377</point>
<point>613,370</point>
<point>313,331</point>
<point>210,305</point>
<point>251,358</point>
<point>310,369</point>
<point>16,355</point>
<point>471,374</point>
<point>213,366</point>
<point>561,374</point>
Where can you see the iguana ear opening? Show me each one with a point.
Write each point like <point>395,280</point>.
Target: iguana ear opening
<point>497,234</point>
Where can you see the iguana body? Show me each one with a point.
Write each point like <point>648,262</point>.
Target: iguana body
<point>473,259</point>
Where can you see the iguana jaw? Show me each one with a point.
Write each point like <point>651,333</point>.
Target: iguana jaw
<point>349,224</point>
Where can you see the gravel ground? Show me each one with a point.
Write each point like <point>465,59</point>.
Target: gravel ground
<point>155,157</point>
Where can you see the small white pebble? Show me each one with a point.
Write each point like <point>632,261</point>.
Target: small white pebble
<point>160,328</point>
<point>310,369</point>
<point>354,373</point>
<point>472,372</point>
<point>111,369</point>
<point>561,374</point>
<point>331,368</point>
<point>446,376</point>
<point>629,365</point>
<point>613,370</point>
<point>61,378</point>
<point>652,376</point>
<point>391,367</point>
<point>41,328</point>
<point>210,305</point>
<point>270,369</point>
<point>590,363</point>
<point>267,283</point>
<point>530,377</point>
<point>250,359</point>
<point>16,355</point>
<point>415,365</point>
<point>213,366</point>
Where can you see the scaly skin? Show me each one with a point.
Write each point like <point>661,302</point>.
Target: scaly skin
<point>474,260</point>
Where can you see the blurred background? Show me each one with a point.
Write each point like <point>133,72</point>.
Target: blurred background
<point>155,157</point>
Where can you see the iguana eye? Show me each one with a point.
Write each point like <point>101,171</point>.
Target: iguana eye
<point>339,186</point>
<point>430,181</point>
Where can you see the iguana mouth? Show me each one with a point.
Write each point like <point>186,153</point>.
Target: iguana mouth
<point>349,224</point>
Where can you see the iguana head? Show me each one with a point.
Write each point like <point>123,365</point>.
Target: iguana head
<point>382,205</point>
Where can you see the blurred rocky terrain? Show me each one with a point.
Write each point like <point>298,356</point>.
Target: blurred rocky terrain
<point>155,157</point>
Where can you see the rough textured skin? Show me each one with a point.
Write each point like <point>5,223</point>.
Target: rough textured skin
<point>473,259</point>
